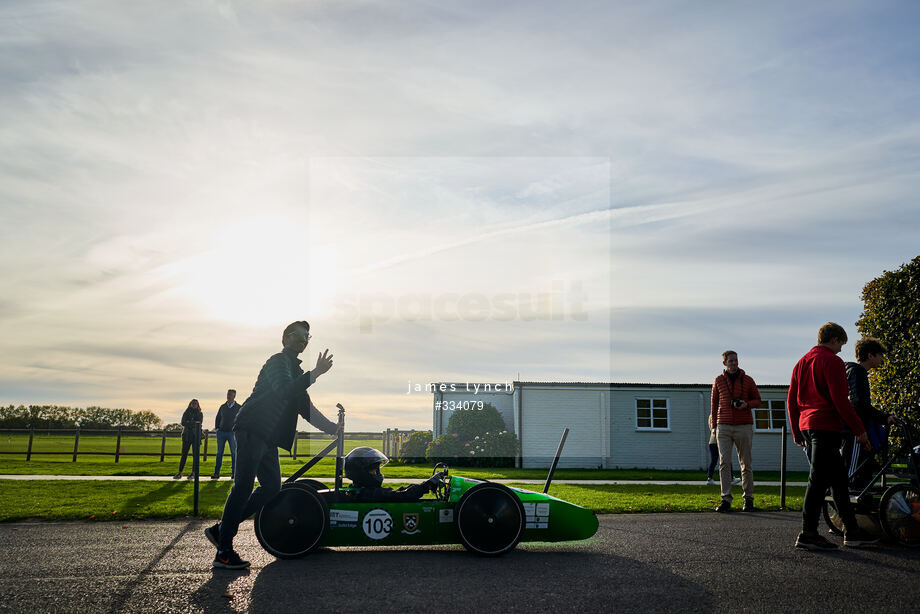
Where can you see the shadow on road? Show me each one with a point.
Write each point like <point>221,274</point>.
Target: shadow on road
<point>438,580</point>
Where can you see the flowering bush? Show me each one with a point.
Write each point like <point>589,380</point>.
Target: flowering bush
<point>468,423</point>
<point>413,447</point>
<point>493,449</point>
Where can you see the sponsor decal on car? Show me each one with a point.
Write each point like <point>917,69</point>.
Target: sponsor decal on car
<point>410,524</point>
<point>343,519</point>
<point>537,515</point>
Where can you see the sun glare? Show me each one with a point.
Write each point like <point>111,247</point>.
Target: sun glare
<point>260,271</point>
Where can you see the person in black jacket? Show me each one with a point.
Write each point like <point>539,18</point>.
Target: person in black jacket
<point>362,467</point>
<point>861,466</point>
<point>267,420</point>
<point>191,423</point>
<point>223,425</point>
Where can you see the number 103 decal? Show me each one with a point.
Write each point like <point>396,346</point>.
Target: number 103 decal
<point>377,524</point>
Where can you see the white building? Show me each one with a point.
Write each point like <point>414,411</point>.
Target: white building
<point>618,425</point>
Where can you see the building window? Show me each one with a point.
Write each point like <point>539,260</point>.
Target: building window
<point>770,416</point>
<point>652,415</point>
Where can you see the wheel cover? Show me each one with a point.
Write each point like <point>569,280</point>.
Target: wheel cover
<point>900,514</point>
<point>293,522</point>
<point>832,518</point>
<point>489,520</point>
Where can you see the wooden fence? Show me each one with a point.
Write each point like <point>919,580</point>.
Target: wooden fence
<point>390,440</point>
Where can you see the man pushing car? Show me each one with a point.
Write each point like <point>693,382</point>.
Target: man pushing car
<point>267,420</point>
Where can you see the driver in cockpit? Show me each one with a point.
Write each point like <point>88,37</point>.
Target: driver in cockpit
<point>362,467</point>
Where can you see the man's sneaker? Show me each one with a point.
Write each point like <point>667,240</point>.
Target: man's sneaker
<point>178,476</point>
<point>857,538</point>
<point>813,542</point>
<point>736,481</point>
<point>710,482</point>
<point>229,560</point>
<point>191,476</point>
<point>724,507</point>
<point>215,476</point>
<point>213,535</point>
<point>748,506</point>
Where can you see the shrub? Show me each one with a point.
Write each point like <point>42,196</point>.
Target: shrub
<point>467,423</point>
<point>475,438</point>
<point>413,448</point>
<point>892,313</point>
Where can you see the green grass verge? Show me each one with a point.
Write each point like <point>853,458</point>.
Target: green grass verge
<point>130,500</point>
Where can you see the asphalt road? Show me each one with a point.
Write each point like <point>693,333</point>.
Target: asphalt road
<point>647,563</point>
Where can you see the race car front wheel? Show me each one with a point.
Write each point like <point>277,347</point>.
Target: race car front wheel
<point>293,522</point>
<point>490,519</point>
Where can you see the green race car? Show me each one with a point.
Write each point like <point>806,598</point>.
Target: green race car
<point>488,518</point>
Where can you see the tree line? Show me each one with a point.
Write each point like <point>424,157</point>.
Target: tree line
<point>62,417</point>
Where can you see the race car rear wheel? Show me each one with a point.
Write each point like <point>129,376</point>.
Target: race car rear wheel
<point>316,484</point>
<point>490,519</point>
<point>293,522</point>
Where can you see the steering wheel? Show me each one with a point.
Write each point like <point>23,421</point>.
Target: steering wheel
<point>441,491</point>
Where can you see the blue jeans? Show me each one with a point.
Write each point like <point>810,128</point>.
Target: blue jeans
<point>230,438</point>
<point>255,457</point>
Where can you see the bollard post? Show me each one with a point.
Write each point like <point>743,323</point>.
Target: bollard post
<point>118,445</point>
<point>782,472</point>
<point>205,454</point>
<point>195,469</point>
<point>29,450</point>
<point>163,447</point>
<point>76,442</point>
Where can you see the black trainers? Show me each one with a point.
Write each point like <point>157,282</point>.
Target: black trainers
<point>813,541</point>
<point>857,538</point>
<point>748,506</point>
<point>229,560</point>
<point>724,507</point>
<point>215,476</point>
<point>213,535</point>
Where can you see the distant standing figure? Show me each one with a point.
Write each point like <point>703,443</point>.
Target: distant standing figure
<point>734,395</point>
<point>223,424</point>
<point>714,456</point>
<point>191,423</point>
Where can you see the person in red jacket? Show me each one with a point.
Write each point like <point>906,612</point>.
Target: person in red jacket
<point>734,395</point>
<point>819,405</point>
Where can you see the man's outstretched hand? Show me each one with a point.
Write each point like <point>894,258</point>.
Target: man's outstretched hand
<point>323,363</point>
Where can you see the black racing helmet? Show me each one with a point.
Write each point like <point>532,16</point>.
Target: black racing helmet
<point>358,464</point>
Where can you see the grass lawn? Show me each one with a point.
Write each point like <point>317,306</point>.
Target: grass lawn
<point>130,500</point>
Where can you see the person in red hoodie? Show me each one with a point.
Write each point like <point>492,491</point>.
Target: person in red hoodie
<point>819,406</point>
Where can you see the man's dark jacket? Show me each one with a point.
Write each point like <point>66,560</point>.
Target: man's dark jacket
<point>858,381</point>
<point>226,416</point>
<point>280,394</point>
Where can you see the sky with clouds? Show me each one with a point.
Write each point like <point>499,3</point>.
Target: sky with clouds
<point>470,191</point>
